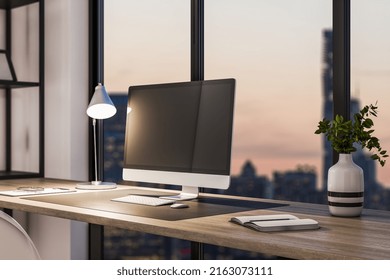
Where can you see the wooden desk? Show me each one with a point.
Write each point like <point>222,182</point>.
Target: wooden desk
<point>366,237</point>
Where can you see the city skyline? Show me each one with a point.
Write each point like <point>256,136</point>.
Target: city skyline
<point>275,55</point>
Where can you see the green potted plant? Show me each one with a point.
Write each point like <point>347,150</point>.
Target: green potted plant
<point>345,178</point>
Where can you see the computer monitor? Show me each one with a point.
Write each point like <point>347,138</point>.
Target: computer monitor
<point>180,134</point>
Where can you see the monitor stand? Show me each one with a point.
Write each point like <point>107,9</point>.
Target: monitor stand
<point>187,193</point>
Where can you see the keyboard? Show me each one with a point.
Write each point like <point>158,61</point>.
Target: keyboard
<point>144,200</point>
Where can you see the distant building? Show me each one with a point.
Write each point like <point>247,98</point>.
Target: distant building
<point>298,185</point>
<point>114,139</point>
<point>327,94</point>
<point>249,184</point>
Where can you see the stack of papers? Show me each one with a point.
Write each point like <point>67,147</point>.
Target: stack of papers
<point>34,191</point>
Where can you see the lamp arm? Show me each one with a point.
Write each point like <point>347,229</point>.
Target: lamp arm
<point>94,148</point>
<point>95,185</point>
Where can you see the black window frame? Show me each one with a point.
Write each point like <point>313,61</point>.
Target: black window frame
<point>341,81</point>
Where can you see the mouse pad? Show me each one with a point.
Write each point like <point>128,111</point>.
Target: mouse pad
<point>201,207</point>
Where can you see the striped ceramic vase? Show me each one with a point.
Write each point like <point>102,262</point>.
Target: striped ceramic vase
<point>345,187</point>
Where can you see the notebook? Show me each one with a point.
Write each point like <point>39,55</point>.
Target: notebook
<point>277,222</point>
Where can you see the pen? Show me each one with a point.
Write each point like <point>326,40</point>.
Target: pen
<point>267,220</point>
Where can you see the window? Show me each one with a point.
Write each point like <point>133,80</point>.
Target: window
<point>275,50</point>
<point>145,42</point>
<point>370,83</point>
<point>281,54</point>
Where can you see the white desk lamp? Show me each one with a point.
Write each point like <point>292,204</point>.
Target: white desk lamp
<point>100,107</point>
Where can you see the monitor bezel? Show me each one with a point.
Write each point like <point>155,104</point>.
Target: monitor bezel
<point>191,181</point>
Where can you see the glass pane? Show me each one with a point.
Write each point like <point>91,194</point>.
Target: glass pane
<point>275,50</point>
<point>145,42</point>
<point>370,83</point>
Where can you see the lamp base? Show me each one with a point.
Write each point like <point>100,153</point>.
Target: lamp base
<point>96,185</point>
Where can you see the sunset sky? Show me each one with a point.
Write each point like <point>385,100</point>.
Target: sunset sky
<point>273,48</point>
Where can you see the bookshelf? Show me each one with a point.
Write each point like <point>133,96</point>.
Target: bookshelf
<point>13,89</point>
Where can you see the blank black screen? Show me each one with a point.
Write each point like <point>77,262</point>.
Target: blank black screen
<point>180,127</point>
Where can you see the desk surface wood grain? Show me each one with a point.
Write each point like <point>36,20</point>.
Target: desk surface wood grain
<point>365,237</point>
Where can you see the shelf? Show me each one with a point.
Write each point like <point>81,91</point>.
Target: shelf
<point>10,4</point>
<point>9,85</point>
<point>5,84</point>
<point>18,174</point>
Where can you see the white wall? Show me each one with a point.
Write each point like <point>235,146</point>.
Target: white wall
<point>66,90</point>
<point>66,124</point>
<point>25,101</point>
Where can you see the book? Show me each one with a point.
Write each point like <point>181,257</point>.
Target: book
<point>277,222</point>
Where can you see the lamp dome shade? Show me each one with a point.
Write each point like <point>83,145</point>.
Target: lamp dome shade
<point>101,106</point>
